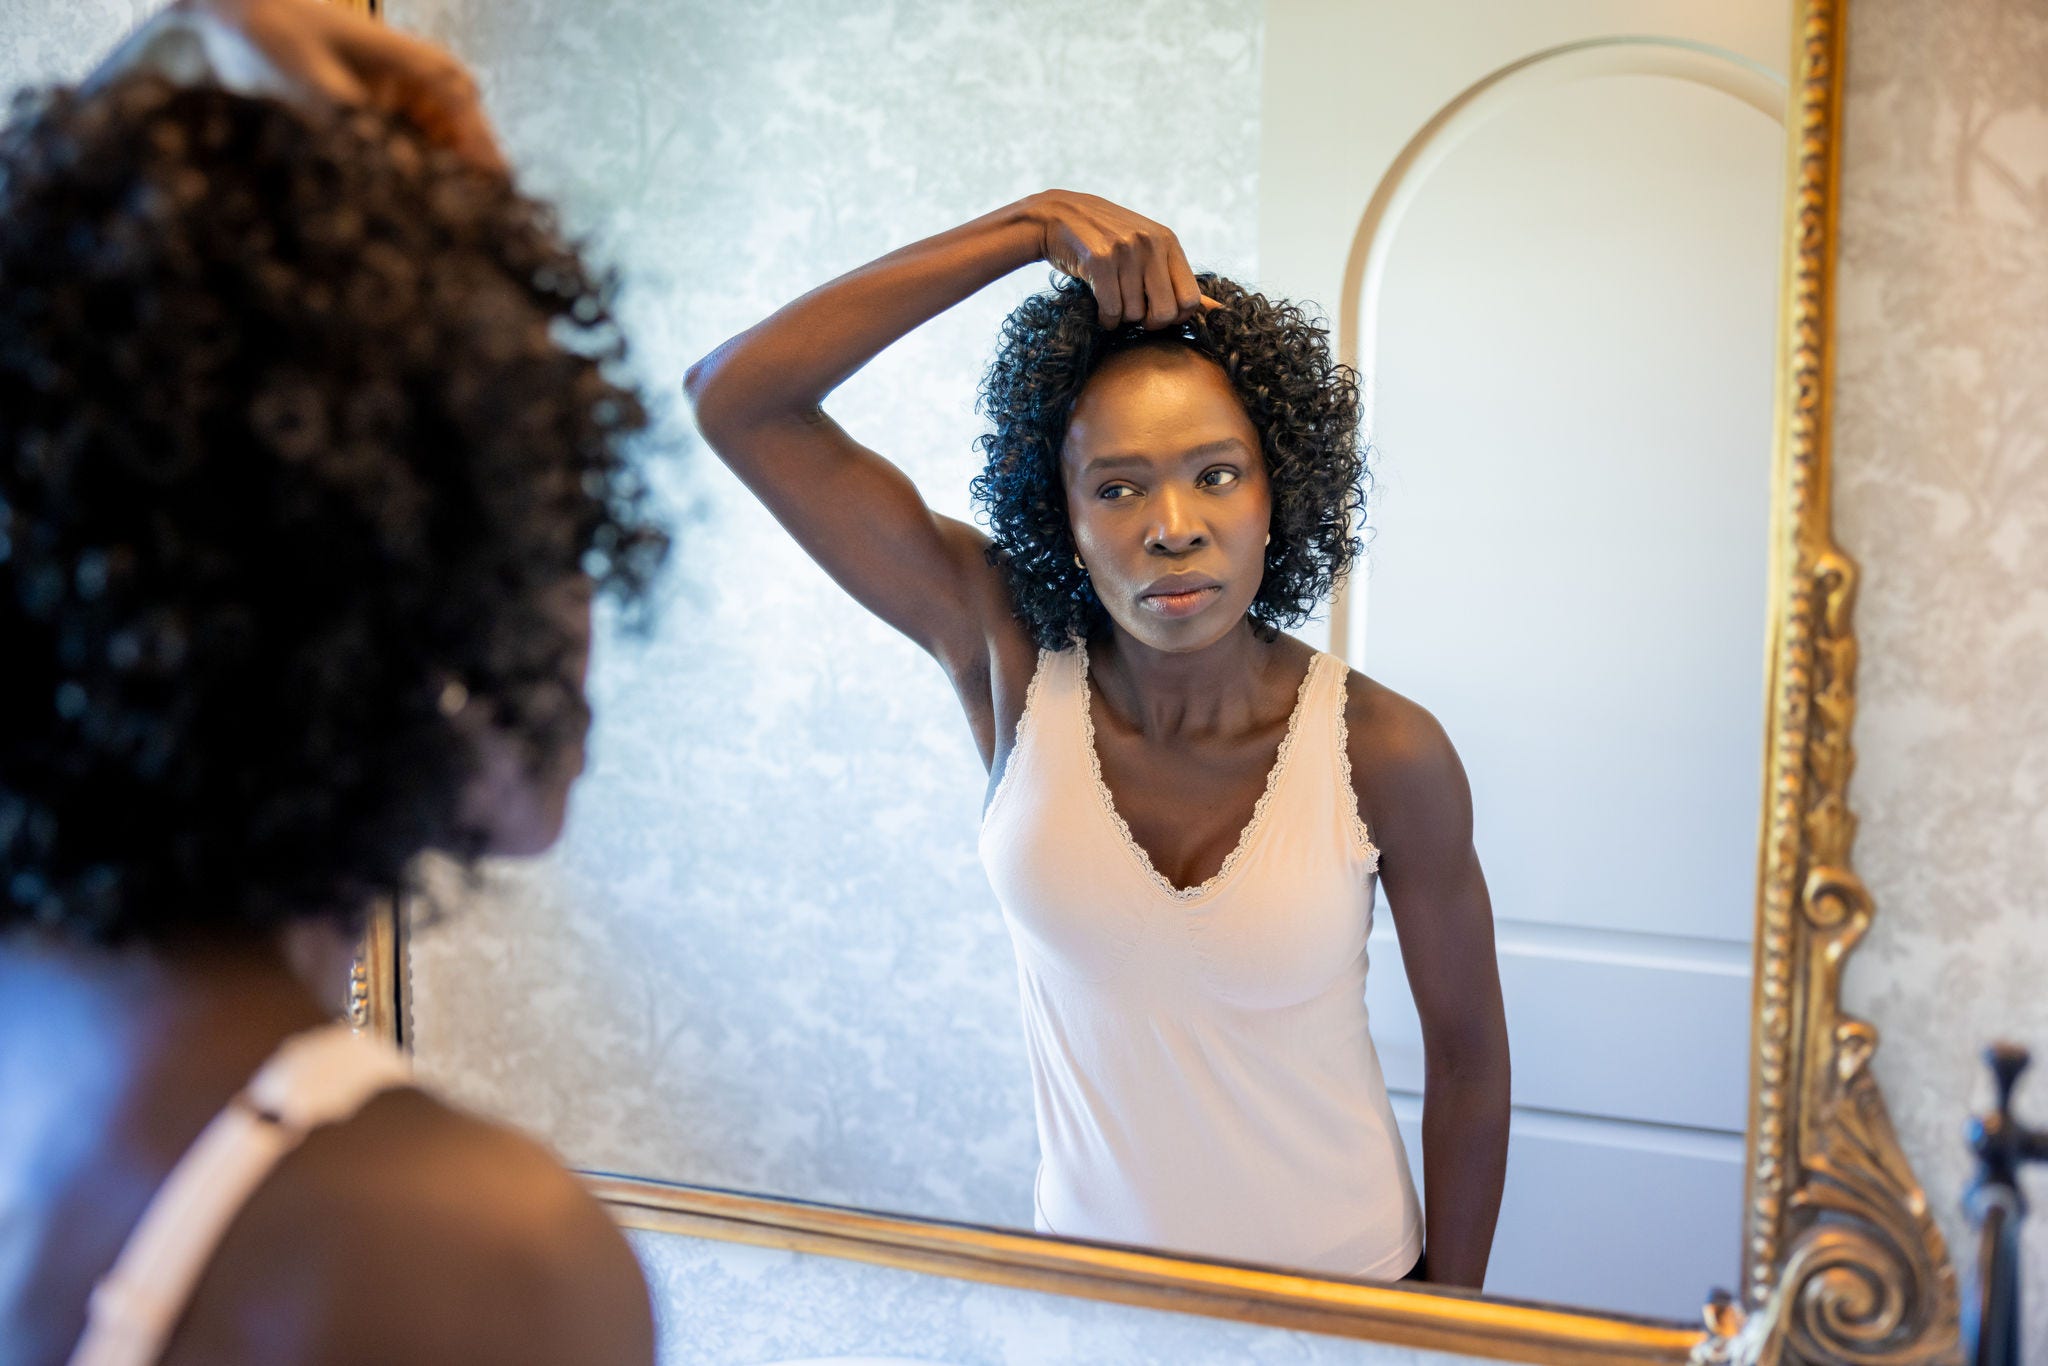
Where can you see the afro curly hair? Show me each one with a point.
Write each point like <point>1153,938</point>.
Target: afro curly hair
<point>1277,358</point>
<point>301,422</point>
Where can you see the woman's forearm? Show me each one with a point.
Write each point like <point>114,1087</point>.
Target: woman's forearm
<point>786,364</point>
<point>1464,1164</point>
<point>304,52</point>
<point>759,403</point>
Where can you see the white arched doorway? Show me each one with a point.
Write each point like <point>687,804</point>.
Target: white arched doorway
<point>1495,245</point>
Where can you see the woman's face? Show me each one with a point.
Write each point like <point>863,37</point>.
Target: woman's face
<point>519,802</point>
<point>1167,496</point>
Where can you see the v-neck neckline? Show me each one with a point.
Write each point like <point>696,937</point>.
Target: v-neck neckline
<point>1245,838</point>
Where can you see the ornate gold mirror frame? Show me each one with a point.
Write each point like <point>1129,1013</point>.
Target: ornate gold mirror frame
<point>1841,1260</point>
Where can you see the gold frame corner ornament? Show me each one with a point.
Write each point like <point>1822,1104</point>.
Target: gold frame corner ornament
<point>1841,1259</point>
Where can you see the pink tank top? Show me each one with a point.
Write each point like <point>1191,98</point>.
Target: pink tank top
<point>1203,1078</point>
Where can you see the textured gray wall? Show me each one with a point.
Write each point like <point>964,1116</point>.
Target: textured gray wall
<point>1941,439</point>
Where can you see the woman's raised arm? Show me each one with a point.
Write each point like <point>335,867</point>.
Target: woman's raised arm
<point>758,402</point>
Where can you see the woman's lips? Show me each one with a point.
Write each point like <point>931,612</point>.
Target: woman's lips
<point>1181,604</point>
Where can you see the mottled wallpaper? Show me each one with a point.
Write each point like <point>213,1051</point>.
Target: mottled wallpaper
<point>1941,436</point>
<point>46,41</point>
<point>723,1304</point>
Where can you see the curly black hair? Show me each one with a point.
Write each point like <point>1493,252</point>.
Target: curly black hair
<point>1277,358</point>
<point>301,422</point>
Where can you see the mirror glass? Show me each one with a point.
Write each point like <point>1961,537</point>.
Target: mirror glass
<point>765,956</point>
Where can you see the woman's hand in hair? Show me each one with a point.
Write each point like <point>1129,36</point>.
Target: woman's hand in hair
<point>1136,267</point>
<point>312,52</point>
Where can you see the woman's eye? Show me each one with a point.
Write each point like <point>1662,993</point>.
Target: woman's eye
<point>1116,491</point>
<point>1217,478</point>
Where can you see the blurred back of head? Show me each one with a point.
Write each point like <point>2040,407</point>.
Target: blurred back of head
<point>301,423</point>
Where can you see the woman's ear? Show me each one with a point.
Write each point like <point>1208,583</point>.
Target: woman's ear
<point>516,801</point>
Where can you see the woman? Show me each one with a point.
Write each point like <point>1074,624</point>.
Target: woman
<point>1188,808</point>
<point>309,467</point>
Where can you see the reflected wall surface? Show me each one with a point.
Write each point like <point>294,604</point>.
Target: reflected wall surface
<point>765,956</point>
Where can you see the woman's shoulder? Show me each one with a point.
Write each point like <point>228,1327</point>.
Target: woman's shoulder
<point>418,1232</point>
<point>1395,743</point>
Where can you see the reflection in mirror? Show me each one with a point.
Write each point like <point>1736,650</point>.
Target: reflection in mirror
<point>767,956</point>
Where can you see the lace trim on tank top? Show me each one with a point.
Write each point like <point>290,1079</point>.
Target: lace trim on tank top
<point>1361,838</point>
<point>1246,838</point>
<point>1025,721</point>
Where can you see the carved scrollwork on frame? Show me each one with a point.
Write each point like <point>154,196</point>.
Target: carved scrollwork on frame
<point>1842,1261</point>
<point>1847,1263</point>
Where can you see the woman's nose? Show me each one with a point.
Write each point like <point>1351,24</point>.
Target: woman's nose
<point>1176,529</point>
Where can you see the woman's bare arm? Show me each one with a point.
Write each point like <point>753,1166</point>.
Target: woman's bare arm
<point>311,53</point>
<point>759,399</point>
<point>1421,818</point>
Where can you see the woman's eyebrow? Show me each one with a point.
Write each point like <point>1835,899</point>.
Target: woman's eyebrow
<point>1229,445</point>
<point>1113,462</point>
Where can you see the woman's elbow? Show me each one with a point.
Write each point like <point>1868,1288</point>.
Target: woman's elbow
<point>711,402</point>
<point>700,384</point>
<point>696,377</point>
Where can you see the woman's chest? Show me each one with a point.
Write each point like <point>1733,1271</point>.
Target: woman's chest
<point>1187,805</point>
<point>1277,910</point>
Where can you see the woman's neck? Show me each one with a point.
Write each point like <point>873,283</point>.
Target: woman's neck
<point>157,1020</point>
<point>1223,687</point>
<point>247,976</point>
